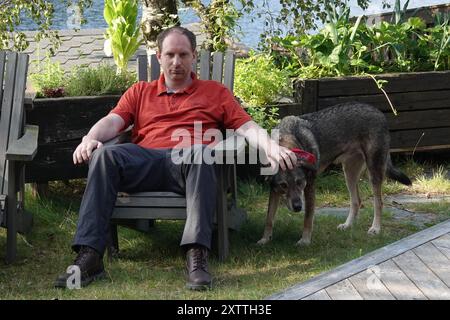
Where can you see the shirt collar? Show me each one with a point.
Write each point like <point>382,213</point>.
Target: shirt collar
<point>189,89</point>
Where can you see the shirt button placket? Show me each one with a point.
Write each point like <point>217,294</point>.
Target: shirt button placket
<point>174,101</point>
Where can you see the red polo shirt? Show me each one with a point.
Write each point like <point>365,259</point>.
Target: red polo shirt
<point>166,120</point>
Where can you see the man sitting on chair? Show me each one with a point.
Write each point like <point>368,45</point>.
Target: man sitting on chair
<point>157,110</point>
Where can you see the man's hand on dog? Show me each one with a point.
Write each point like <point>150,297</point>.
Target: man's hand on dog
<point>282,157</point>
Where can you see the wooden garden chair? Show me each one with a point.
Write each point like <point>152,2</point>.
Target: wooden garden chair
<point>18,144</point>
<point>139,210</point>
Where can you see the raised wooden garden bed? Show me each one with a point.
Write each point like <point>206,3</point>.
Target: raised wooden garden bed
<point>62,123</point>
<point>421,99</point>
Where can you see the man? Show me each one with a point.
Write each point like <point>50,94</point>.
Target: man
<point>158,110</point>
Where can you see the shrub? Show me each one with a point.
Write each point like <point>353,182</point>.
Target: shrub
<point>48,81</point>
<point>81,81</point>
<point>258,83</point>
<point>101,80</point>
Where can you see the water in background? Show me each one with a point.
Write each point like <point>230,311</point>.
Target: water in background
<point>65,18</point>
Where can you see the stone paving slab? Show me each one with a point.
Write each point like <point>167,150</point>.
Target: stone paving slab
<point>394,205</point>
<point>420,198</point>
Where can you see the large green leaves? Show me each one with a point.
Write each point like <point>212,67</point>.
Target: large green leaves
<point>344,47</point>
<point>123,33</point>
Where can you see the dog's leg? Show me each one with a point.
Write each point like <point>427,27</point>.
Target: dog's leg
<point>274,200</point>
<point>376,165</point>
<point>309,214</point>
<point>352,170</point>
<point>378,207</point>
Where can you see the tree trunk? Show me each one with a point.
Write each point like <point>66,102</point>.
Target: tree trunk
<point>156,16</point>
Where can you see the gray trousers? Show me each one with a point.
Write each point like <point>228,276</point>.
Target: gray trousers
<point>131,168</point>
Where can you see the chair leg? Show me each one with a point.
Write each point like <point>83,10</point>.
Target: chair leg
<point>24,217</point>
<point>11,217</point>
<point>222,219</point>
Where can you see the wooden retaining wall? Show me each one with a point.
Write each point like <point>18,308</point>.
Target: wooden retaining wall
<point>422,100</point>
<point>62,124</point>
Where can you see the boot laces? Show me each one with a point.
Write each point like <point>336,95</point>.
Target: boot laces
<point>199,259</point>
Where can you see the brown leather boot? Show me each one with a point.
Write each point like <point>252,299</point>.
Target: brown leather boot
<point>198,277</point>
<point>90,264</point>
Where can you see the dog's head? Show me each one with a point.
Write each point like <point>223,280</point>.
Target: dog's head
<point>291,183</point>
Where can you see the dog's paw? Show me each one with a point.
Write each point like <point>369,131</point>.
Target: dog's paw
<point>343,226</point>
<point>263,241</point>
<point>373,231</point>
<point>303,242</point>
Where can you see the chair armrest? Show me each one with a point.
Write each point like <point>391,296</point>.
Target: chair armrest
<point>28,100</point>
<point>25,148</point>
<point>123,137</point>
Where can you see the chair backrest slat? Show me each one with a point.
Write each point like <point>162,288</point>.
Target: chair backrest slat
<point>195,66</point>
<point>217,70</point>
<point>2,143</point>
<point>155,70</point>
<point>205,65</point>
<point>5,120</point>
<point>142,71</point>
<point>228,77</point>
<point>17,116</point>
<point>2,74</point>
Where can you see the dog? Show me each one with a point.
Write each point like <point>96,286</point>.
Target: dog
<point>353,134</point>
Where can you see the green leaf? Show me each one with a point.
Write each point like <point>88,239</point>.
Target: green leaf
<point>335,55</point>
<point>416,23</point>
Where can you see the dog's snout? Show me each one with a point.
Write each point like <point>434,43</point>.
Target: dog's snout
<point>297,206</point>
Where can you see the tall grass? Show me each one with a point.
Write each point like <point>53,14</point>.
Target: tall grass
<point>437,183</point>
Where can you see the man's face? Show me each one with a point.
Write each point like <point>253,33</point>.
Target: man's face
<point>176,58</point>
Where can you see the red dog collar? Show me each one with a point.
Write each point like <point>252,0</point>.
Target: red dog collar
<point>301,154</point>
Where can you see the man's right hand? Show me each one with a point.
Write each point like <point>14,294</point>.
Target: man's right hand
<point>84,150</point>
<point>105,129</point>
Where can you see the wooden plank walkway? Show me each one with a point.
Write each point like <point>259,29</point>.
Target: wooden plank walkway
<point>414,268</point>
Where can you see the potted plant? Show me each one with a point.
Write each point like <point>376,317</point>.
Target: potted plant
<point>66,106</point>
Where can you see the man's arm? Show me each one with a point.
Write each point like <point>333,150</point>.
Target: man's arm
<point>105,129</point>
<point>257,137</point>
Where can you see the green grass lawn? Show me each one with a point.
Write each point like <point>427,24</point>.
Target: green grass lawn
<point>151,266</point>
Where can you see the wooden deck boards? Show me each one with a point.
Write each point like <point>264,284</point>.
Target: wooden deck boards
<point>417,267</point>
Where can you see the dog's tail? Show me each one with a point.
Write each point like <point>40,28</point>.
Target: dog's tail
<point>395,174</point>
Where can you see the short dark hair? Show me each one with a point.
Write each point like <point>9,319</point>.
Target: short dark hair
<point>189,34</point>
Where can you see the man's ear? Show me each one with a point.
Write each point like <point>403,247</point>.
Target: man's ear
<point>195,54</point>
<point>158,56</point>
